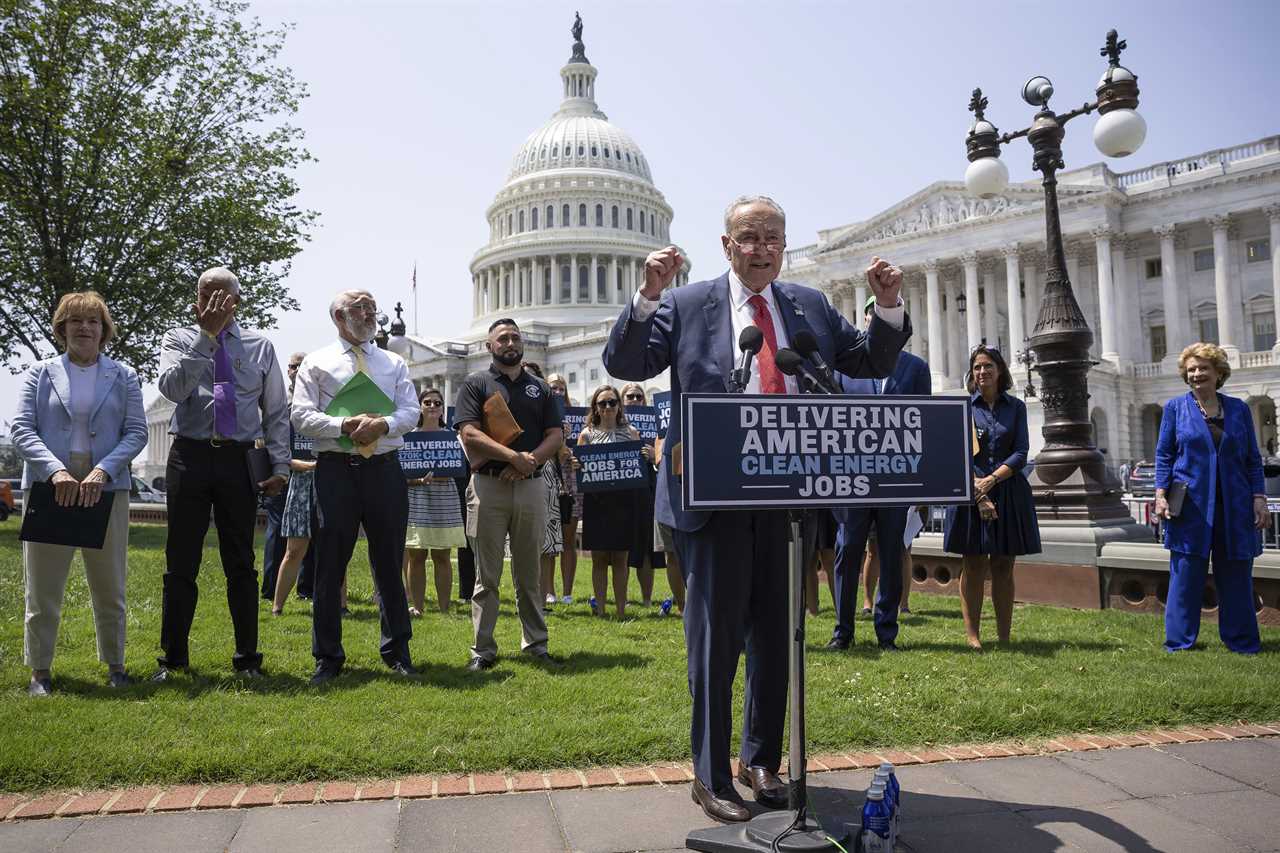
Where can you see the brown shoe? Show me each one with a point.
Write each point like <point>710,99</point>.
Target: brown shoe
<point>723,809</point>
<point>769,790</point>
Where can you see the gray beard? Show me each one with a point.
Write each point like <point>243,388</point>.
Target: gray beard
<point>360,331</point>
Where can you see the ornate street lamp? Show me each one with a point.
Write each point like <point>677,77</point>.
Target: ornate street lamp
<point>1069,478</point>
<point>381,337</point>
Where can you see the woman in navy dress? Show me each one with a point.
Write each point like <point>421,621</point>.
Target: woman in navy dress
<point>1001,525</point>
<point>1207,443</point>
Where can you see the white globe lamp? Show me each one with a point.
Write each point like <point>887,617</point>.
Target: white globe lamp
<point>986,177</point>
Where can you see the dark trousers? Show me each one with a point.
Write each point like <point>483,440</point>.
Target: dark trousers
<point>273,549</point>
<point>735,574</point>
<point>202,477</point>
<point>307,574</point>
<point>1233,580</point>
<point>851,547</point>
<point>351,491</point>
<point>466,557</point>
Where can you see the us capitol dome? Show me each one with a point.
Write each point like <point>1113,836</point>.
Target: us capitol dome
<point>568,235</point>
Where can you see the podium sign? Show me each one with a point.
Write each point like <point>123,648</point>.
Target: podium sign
<point>792,450</point>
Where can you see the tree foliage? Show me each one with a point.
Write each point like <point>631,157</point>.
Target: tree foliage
<point>141,142</point>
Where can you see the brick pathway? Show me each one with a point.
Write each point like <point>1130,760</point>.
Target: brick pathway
<point>1188,789</point>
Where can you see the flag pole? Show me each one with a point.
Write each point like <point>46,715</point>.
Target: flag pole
<point>415,297</point>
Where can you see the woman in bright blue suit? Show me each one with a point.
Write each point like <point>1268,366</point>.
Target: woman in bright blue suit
<point>1207,443</point>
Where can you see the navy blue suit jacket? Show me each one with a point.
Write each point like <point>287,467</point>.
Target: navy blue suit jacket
<point>910,376</point>
<point>1185,452</point>
<point>692,333</point>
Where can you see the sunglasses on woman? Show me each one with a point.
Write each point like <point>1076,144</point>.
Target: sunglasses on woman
<point>607,404</point>
<point>432,404</point>
<point>631,397</point>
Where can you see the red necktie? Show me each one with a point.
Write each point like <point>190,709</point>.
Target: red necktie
<point>771,381</point>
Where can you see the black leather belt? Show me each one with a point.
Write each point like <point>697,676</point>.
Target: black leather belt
<point>214,442</point>
<point>356,458</point>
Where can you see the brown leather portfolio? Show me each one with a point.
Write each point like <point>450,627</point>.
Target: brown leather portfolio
<point>498,423</point>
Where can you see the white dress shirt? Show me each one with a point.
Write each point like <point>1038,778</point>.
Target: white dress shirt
<point>742,316</point>
<point>323,373</point>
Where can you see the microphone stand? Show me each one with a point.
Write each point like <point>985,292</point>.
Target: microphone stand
<point>791,830</point>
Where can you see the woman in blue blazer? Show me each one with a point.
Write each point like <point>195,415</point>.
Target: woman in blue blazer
<point>1207,446</point>
<point>79,424</point>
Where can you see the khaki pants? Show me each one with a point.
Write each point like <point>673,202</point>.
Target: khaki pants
<point>47,567</point>
<point>500,509</point>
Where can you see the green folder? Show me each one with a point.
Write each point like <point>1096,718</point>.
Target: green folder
<point>360,396</point>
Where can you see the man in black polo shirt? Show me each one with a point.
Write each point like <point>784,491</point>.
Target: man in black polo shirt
<point>508,494</point>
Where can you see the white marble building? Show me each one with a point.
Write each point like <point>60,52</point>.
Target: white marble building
<point>568,235</point>
<point>1159,257</point>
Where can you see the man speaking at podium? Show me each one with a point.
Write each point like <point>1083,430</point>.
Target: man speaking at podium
<point>735,563</point>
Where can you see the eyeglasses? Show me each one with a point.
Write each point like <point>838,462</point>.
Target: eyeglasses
<point>295,366</point>
<point>634,396</point>
<point>606,404</point>
<point>751,246</point>
<point>985,348</point>
<point>432,404</point>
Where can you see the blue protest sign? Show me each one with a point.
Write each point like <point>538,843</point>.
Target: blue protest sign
<point>662,405</point>
<point>574,418</point>
<point>753,451</point>
<point>301,447</point>
<point>437,451</point>
<point>610,467</point>
<point>645,420</point>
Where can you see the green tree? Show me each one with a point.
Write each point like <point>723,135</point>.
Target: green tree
<point>141,142</point>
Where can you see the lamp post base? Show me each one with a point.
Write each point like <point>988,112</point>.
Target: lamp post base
<point>760,833</point>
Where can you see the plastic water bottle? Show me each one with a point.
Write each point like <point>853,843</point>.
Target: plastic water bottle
<point>666,607</point>
<point>895,788</point>
<point>874,837</point>
<point>594,605</point>
<point>885,781</point>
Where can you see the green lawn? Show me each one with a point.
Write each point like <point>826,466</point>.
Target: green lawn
<point>621,698</point>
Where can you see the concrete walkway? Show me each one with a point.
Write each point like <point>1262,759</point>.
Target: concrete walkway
<point>1220,796</point>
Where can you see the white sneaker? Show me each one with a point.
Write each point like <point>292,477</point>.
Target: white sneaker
<point>568,599</point>
<point>551,599</point>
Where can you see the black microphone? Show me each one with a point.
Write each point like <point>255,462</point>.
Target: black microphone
<point>807,345</point>
<point>749,342</point>
<point>792,363</point>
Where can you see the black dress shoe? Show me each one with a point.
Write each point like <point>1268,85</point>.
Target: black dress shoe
<point>725,809</point>
<point>118,679</point>
<point>544,658</point>
<point>889,646</point>
<point>480,664</point>
<point>163,674</point>
<point>403,669</point>
<point>40,687</point>
<point>251,673</point>
<point>769,790</point>
<point>835,644</point>
<point>323,675</point>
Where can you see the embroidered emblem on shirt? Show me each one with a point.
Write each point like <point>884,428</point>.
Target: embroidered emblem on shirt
<point>532,390</point>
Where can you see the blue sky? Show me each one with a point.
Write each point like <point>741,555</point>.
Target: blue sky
<point>838,110</point>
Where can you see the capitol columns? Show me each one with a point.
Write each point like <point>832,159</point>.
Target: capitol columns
<point>1176,326</point>
<point>859,299</point>
<point>1032,276</point>
<point>612,290</point>
<point>1125,300</point>
<point>1013,296</point>
<point>937,343</point>
<point>1273,213</point>
<point>991,329</point>
<point>1222,288</point>
<point>594,279</point>
<point>1107,313</point>
<point>914,311</point>
<point>973,320</point>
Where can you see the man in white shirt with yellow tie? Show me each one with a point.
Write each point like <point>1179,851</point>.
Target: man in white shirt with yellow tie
<point>362,485</point>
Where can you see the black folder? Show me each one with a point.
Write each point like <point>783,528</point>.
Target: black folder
<point>259,463</point>
<point>77,526</point>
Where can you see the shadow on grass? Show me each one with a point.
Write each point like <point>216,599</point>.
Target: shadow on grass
<point>1033,648</point>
